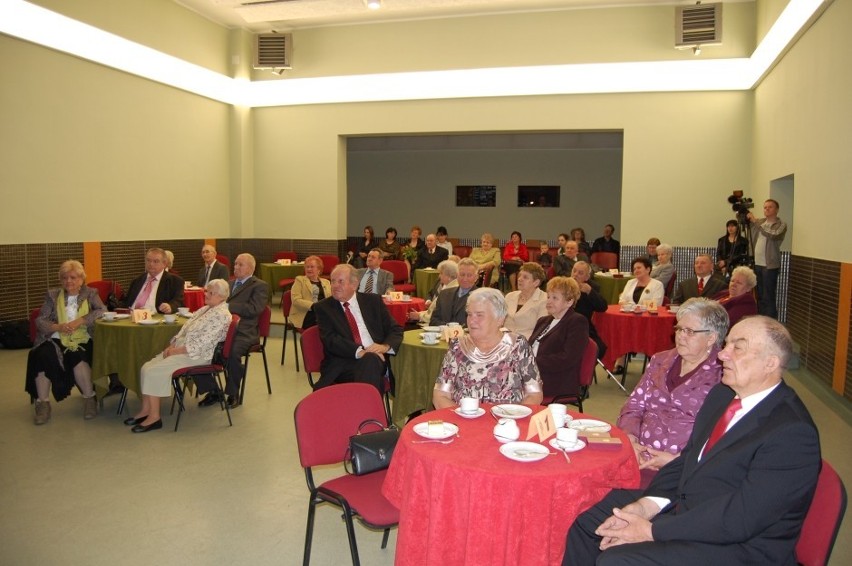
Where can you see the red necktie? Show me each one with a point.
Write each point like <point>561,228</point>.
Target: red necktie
<point>722,425</point>
<point>700,285</point>
<point>146,292</point>
<point>353,325</point>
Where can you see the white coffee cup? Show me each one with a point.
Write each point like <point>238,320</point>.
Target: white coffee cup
<point>469,405</point>
<point>183,310</point>
<point>559,411</point>
<point>187,284</point>
<point>566,437</point>
<point>170,318</point>
<point>430,337</point>
<point>109,315</point>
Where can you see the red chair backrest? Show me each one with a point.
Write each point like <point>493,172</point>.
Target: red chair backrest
<point>329,262</point>
<point>286,255</point>
<point>605,260</point>
<point>326,419</point>
<point>587,365</point>
<point>33,329</point>
<point>398,268</point>
<point>263,322</point>
<point>312,351</point>
<point>229,338</point>
<point>104,288</point>
<point>286,305</point>
<point>819,531</point>
<point>670,285</point>
<point>223,259</point>
<point>462,251</point>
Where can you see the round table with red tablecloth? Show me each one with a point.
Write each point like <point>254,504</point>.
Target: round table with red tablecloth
<point>399,309</point>
<point>193,298</point>
<point>627,332</point>
<point>465,503</point>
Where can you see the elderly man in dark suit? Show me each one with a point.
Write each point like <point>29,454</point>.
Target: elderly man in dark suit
<point>705,283</point>
<point>156,288</point>
<point>248,299</point>
<point>357,333</point>
<point>452,302</point>
<point>431,254</point>
<point>211,269</point>
<point>739,491</point>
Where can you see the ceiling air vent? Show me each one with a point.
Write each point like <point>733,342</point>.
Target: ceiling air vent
<point>698,25</point>
<point>273,50</point>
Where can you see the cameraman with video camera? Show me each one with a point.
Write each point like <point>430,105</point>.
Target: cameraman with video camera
<point>766,236</point>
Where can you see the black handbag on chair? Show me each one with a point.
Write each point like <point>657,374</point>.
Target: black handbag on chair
<point>370,451</point>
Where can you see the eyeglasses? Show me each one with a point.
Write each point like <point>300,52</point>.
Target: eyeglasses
<point>689,332</point>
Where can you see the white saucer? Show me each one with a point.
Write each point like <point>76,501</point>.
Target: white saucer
<point>524,451</point>
<point>150,321</point>
<point>579,445</point>
<point>423,430</point>
<point>479,412</point>
<point>509,411</point>
<point>425,343</point>
<point>590,425</point>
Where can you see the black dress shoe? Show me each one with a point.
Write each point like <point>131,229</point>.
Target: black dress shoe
<point>132,421</point>
<point>153,426</point>
<point>233,401</point>
<point>211,399</point>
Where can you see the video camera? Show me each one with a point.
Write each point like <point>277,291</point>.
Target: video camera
<point>739,203</point>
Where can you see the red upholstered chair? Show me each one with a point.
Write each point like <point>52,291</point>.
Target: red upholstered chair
<point>285,255</point>
<point>587,374</point>
<point>462,251</point>
<point>605,260</point>
<point>322,441</point>
<point>329,262</point>
<point>106,287</point>
<point>671,285</point>
<point>822,522</point>
<point>215,368</point>
<point>263,324</point>
<point>486,276</point>
<point>312,352</point>
<point>33,329</point>
<point>286,305</point>
<point>400,275</point>
<point>223,259</point>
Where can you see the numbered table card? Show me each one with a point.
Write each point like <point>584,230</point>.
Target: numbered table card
<point>542,423</point>
<point>451,332</point>
<point>396,296</point>
<point>139,315</point>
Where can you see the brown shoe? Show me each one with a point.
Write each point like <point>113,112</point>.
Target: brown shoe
<point>90,407</point>
<point>42,412</point>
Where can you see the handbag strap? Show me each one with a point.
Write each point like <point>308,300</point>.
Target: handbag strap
<point>373,422</point>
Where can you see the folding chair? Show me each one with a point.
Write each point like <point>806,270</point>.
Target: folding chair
<point>263,324</point>
<point>822,523</point>
<point>286,305</point>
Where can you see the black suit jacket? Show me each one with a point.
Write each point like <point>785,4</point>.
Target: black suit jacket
<point>170,290</point>
<point>337,340</point>
<point>450,308</point>
<point>425,259</point>
<point>248,302</point>
<point>689,288</point>
<point>752,488</point>
<point>560,352</point>
<point>218,271</point>
<point>588,304</point>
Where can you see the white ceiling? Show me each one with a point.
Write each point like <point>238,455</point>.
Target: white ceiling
<point>285,15</point>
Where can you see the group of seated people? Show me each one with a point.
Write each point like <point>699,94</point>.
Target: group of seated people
<point>62,353</point>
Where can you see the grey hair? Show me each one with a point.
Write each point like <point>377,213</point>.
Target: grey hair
<point>745,271</point>
<point>493,298</point>
<point>219,287</point>
<point>665,248</point>
<point>249,259</point>
<point>468,262</point>
<point>448,267</point>
<point>713,316</point>
<point>778,338</point>
<point>353,273</point>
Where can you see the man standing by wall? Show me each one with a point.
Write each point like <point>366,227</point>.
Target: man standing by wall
<point>766,237</point>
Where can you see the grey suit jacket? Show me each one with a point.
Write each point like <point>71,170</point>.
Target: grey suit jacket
<point>689,288</point>
<point>217,271</point>
<point>450,308</point>
<point>383,282</point>
<point>248,302</point>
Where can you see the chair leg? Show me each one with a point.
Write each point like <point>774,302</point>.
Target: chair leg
<point>385,539</point>
<point>296,347</point>
<point>242,390</point>
<point>309,530</point>
<point>121,402</point>
<point>284,345</point>
<point>180,395</point>
<point>222,402</point>
<point>265,369</point>
<point>350,532</point>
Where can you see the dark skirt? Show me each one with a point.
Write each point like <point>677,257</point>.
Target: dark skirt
<point>46,358</point>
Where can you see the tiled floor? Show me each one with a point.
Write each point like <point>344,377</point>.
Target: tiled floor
<point>77,492</point>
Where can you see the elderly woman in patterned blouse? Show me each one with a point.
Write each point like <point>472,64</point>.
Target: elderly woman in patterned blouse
<point>488,363</point>
<point>659,415</point>
<point>194,345</point>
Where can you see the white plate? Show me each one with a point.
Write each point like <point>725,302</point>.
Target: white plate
<point>579,445</point>
<point>425,343</point>
<point>431,329</point>
<point>511,411</point>
<point>150,321</point>
<point>121,316</point>
<point>479,412</point>
<point>589,425</point>
<point>423,430</point>
<point>187,315</point>
<point>524,451</point>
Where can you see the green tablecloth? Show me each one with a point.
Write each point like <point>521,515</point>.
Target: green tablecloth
<point>611,287</point>
<point>122,347</point>
<point>272,273</point>
<point>416,366</point>
<point>424,280</point>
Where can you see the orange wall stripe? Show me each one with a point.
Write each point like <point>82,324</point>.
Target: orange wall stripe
<point>842,342</point>
<point>92,261</point>
<point>210,242</point>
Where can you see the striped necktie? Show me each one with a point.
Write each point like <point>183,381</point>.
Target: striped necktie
<point>368,286</point>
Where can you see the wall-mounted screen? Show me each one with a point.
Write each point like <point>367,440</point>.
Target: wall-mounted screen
<point>476,195</point>
<point>541,196</point>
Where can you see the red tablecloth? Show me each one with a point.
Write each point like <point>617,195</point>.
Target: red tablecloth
<point>628,332</point>
<point>466,503</point>
<point>193,298</point>
<point>399,309</point>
